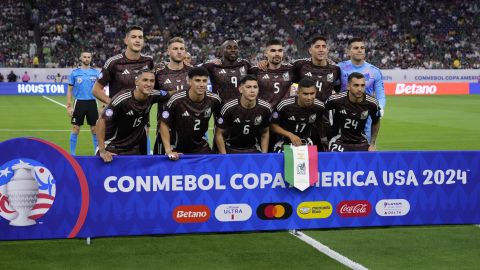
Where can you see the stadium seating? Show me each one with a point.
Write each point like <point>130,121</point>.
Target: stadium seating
<point>405,34</point>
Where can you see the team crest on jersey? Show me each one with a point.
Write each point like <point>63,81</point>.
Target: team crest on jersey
<point>364,115</point>
<point>242,71</point>
<point>286,76</point>
<point>208,112</point>
<point>258,120</point>
<point>330,77</point>
<point>27,191</point>
<point>312,118</point>
<point>109,112</point>
<point>79,80</point>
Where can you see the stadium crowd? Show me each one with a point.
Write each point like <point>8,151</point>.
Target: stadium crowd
<point>406,34</point>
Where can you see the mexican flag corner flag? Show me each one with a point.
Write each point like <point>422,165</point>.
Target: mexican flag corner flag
<point>301,165</point>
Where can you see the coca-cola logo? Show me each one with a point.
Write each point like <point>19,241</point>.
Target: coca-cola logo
<point>354,208</point>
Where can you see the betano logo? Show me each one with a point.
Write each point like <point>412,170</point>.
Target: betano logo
<point>269,211</point>
<point>392,207</point>
<point>354,208</point>
<point>191,213</point>
<point>415,89</point>
<point>313,210</point>
<point>233,212</point>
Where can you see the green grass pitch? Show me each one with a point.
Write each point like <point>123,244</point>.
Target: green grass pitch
<point>410,123</point>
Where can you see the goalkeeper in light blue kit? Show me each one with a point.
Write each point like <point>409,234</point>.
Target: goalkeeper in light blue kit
<point>373,76</point>
<point>80,87</point>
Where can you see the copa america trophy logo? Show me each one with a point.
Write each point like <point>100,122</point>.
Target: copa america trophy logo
<point>27,191</point>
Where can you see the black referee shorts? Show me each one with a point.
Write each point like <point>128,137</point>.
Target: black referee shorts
<point>84,108</point>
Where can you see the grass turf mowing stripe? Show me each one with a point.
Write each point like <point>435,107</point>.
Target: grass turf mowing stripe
<point>328,251</point>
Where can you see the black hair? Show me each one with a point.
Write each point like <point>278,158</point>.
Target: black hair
<point>197,71</point>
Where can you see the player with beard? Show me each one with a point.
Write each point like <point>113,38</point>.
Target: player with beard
<point>243,125</point>
<point>172,77</point>
<point>296,119</point>
<point>226,74</point>
<point>373,75</point>
<point>121,130</point>
<point>350,112</point>
<point>274,82</point>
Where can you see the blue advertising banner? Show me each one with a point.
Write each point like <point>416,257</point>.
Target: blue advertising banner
<point>46,193</point>
<point>33,89</point>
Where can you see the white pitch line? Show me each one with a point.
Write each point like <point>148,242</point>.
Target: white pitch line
<point>477,225</point>
<point>54,101</point>
<point>328,251</point>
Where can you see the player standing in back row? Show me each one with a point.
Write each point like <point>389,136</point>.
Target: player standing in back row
<point>172,77</point>
<point>226,75</point>
<point>120,70</point>
<point>274,83</point>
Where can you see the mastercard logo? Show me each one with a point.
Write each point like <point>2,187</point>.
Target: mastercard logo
<point>272,211</point>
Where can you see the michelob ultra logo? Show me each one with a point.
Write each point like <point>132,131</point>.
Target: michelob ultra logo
<point>312,210</point>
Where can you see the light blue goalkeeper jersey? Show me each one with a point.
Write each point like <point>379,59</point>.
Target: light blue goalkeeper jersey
<point>373,79</point>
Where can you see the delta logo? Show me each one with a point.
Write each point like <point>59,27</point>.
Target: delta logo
<point>392,207</point>
<point>233,212</point>
<point>273,211</point>
<point>354,208</point>
<point>314,210</point>
<point>191,214</point>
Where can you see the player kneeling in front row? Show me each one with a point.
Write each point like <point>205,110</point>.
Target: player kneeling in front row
<point>243,120</point>
<point>121,130</point>
<point>297,118</point>
<point>350,112</point>
<point>187,115</point>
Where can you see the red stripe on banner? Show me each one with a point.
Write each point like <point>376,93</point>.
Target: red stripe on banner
<point>45,196</point>
<point>41,205</point>
<point>35,217</point>
<point>313,164</point>
<point>83,187</point>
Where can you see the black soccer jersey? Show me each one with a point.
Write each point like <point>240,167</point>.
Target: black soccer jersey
<point>243,126</point>
<point>350,118</point>
<point>119,72</point>
<point>172,80</point>
<point>126,119</point>
<point>325,77</point>
<point>301,121</point>
<point>225,78</point>
<point>188,120</point>
<point>274,85</point>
